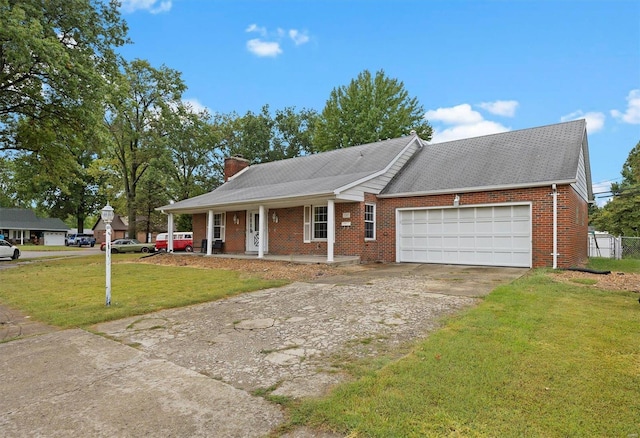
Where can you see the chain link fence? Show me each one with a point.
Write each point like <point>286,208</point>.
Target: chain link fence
<point>608,246</point>
<point>630,247</point>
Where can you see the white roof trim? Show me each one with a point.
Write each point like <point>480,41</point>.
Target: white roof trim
<point>478,189</point>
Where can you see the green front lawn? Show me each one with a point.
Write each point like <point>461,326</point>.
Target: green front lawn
<point>536,358</point>
<point>50,248</point>
<point>71,292</point>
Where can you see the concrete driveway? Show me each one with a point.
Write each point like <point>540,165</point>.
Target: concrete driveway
<point>191,371</point>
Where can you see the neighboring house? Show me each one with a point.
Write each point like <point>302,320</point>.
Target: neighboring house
<point>517,198</point>
<point>119,229</point>
<point>21,226</point>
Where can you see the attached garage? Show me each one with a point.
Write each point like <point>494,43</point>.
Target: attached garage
<point>52,238</point>
<point>497,235</point>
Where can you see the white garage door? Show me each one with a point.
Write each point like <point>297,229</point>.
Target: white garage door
<point>487,236</point>
<point>51,238</point>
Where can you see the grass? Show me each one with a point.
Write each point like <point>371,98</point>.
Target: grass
<point>535,358</point>
<point>624,265</point>
<point>50,248</point>
<point>71,292</point>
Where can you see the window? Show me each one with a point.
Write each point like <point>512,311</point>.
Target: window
<point>320,225</point>
<point>218,226</point>
<point>369,221</point>
<point>316,223</point>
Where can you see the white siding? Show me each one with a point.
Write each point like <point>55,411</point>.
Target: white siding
<point>377,184</point>
<point>581,178</point>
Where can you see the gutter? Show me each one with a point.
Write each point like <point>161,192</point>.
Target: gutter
<point>476,189</point>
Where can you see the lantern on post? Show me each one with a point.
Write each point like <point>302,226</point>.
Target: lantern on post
<point>107,217</point>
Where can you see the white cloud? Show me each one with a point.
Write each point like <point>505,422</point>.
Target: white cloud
<point>595,120</point>
<point>506,108</point>
<point>153,6</point>
<point>456,115</point>
<point>270,42</point>
<point>298,37</point>
<point>465,123</point>
<point>255,28</point>
<point>458,132</point>
<point>264,48</point>
<point>195,105</point>
<point>632,114</point>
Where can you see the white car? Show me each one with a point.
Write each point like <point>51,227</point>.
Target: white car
<point>8,250</point>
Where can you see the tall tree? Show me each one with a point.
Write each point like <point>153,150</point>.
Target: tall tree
<point>621,215</point>
<point>54,57</point>
<point>53,170</point>
<point>264,137</point>
<point>369,109</point>
<point>193,160</point>
<point>141,96</point>
<point>152,192</point>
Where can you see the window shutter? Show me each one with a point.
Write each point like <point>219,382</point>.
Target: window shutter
<point>223,223</point>
<point>307,224</point>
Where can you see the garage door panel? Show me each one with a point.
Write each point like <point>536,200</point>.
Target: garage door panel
<point>492,236</point>
<point>467,227</point>
<point>450,214</point>
<point>521,226</point>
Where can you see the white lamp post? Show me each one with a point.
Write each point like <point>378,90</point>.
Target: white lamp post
<point>107,218</point>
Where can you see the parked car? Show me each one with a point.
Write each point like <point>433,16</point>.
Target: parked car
<point>129,245</point>
<point>80,240</point>
<point>8,250</point>
<point>182,241</point>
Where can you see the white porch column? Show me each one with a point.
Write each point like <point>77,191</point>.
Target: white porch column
<point>170,233</point>
<point>331,228</point>
<point>209,231</point>
<point>21,237</point>
<point>261,232</point>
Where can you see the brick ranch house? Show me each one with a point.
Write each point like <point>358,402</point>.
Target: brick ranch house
<point>517,198</point>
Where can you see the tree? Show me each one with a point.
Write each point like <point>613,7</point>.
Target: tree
<point>54,57</point>
<point>367,110</point>
<point>621,215</point>
<point>141,96</point>
<point>52,171</point>
<point>261,137</point>
<point>193,162</point>
<point>152,192</point>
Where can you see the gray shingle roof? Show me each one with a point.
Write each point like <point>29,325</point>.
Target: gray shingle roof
<point>310,175</point>
<point>517,158</point>
<point>528,157</point>
<point>23,219</point>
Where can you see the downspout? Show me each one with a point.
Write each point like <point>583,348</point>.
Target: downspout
<point>555,225</point>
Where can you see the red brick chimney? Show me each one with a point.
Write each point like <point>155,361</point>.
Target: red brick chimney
<point>233,165</point>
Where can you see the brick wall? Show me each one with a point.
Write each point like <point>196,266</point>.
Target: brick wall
<point>572,220</point>
<point>286,235</point>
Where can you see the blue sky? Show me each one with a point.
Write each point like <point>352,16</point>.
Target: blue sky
<point>477,67</point>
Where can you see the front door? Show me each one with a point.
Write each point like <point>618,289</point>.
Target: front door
<point>253,231</point>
